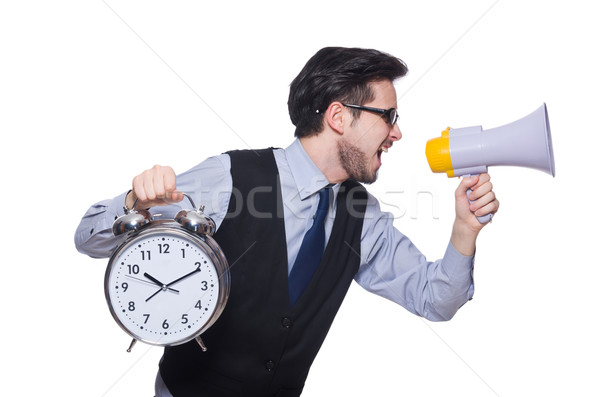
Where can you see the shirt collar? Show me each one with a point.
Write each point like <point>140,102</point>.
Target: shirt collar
<point>308,177</point>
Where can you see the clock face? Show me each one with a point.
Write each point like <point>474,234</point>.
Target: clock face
<point>163,286</point>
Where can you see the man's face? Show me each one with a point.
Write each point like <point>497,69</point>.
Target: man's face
<point>368,136</point>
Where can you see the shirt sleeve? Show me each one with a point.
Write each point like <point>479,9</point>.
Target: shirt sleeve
<point>209,184</point>
<point>392,267</point>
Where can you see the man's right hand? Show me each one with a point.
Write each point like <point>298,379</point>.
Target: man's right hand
<point>154,187</point>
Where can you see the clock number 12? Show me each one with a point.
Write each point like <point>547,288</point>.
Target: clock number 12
<point>163,248</point>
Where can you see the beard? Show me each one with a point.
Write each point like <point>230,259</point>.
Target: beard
<point>355,162</point>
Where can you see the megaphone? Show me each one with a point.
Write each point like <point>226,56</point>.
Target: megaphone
<point>471,150</point>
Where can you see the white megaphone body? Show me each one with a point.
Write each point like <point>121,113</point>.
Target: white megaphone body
<point>471,150</point>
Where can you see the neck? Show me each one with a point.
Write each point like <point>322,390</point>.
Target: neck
<point>324,153</point>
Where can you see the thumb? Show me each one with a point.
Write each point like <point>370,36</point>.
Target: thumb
<point>175,197</point>
<point>467,183</point>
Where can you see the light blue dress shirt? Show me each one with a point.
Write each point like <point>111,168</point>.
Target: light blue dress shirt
<point>391,266</point>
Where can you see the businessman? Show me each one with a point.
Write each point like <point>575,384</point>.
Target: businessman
<point>300,226</point>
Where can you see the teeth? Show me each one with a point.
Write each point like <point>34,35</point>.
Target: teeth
<point>383,149</point>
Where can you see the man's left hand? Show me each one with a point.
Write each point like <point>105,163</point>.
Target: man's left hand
<point>483,202</point>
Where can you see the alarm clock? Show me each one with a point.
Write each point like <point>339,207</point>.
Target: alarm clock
<point>168,281</point>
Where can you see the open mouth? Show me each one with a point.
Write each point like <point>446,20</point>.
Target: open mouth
<point>381,150</point>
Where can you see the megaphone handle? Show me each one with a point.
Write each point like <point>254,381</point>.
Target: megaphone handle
<point>481,219</point>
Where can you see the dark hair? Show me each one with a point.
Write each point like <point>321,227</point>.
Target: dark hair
<point>337,74</point>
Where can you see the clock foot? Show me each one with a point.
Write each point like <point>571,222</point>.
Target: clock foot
<point>133,341</point>
<point>201,343</point>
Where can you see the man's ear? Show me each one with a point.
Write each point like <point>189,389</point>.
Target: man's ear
<point>334,116</point>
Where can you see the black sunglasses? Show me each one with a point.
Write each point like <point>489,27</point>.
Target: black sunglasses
<point>390,115</point>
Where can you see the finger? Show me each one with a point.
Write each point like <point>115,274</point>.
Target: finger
<point>481,191</point>
<point>172,195</point>
<point>483,200</point>
<point>466,184</point>
<point>176,196</point>
<point>491,207</point>
<point>137,186</point>
<point>483,178</point>
<point>148,180</point>
<point>169,181</point>
<point>158,184</point>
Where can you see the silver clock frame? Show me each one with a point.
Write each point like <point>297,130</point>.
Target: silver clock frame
<point>206,243</point>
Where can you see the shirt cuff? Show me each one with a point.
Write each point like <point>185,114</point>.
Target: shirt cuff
<point>459,268</point>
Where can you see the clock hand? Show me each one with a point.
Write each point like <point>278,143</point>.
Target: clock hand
<point>162,286</point>
<point>184,277</point>
<point>148,282</point>
<point>153,295</point>
<point>173,282</point>
<point>153,279</point>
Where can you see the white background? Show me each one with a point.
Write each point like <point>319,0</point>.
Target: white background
<point>94,92</point>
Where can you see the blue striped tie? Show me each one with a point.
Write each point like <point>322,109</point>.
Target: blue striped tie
<point>311,250</point>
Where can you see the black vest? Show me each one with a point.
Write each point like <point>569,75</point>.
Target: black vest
<point>260,346</point>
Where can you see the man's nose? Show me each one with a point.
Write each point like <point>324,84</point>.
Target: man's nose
<point>395,133</point>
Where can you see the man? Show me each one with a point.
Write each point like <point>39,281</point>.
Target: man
<point>343,104</point>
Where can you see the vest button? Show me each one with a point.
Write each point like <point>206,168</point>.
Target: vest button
<point>286,322</point>
<point>270,365</point>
